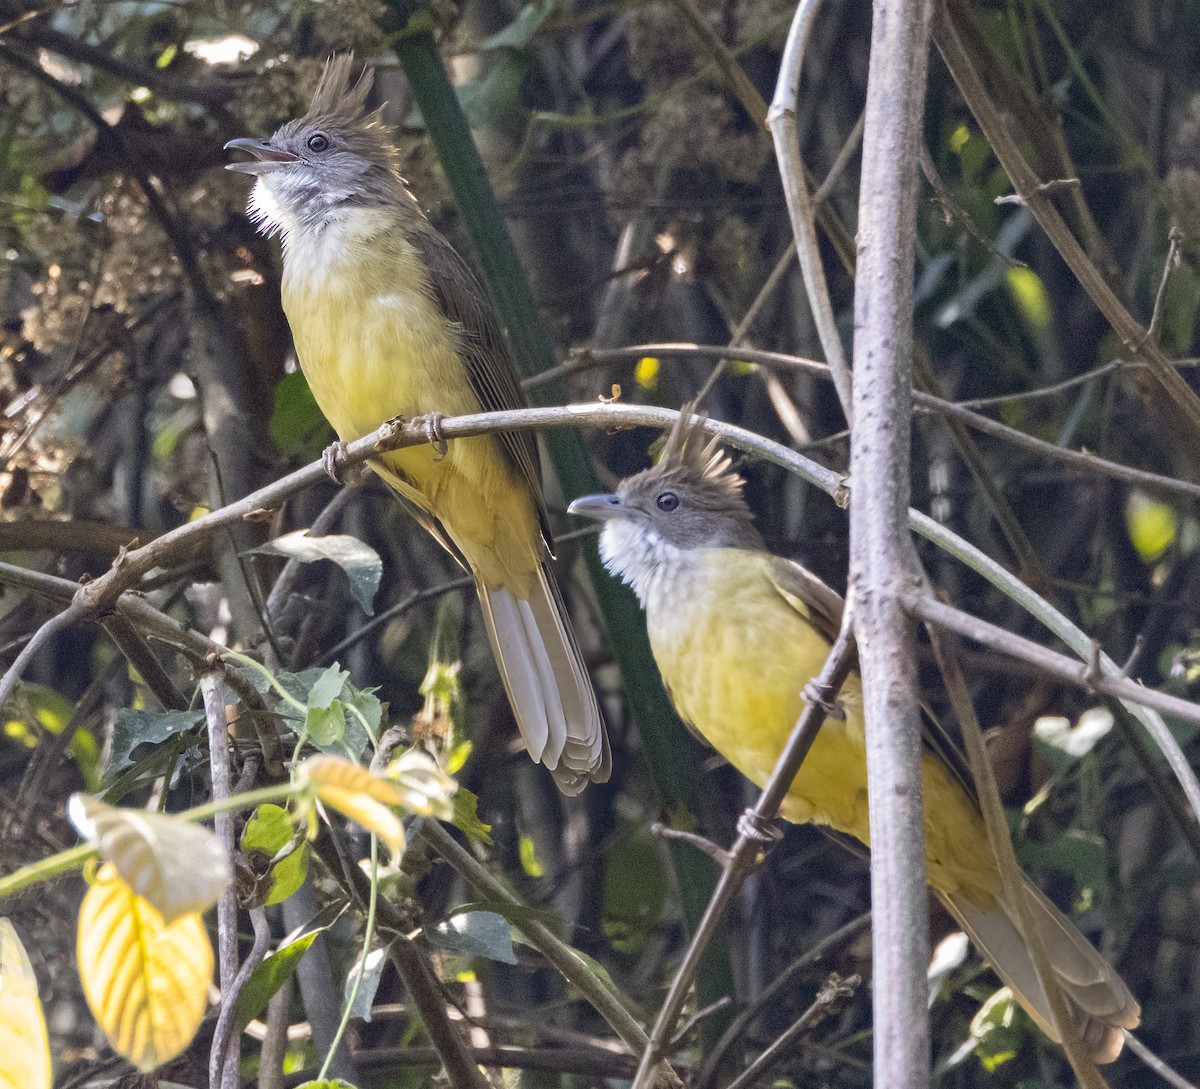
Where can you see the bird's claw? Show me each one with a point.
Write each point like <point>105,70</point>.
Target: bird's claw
<point>431,424</point>
<point>333,461</point>
<point>824,699</point>
<point>753,826</point>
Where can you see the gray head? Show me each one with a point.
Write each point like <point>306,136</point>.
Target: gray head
<point>336,157</point>
<point>692,499</point>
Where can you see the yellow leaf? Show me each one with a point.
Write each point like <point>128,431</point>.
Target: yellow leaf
<point>1152,525</point>
<point>145,981</point>
<point>1030,294</point>
<point>645,374</point>
<point>353,791</point>
<point>24,1046</point>
<point>177,866</point>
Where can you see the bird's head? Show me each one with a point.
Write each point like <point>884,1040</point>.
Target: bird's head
<point>337,156</point>
<point>691,499</point>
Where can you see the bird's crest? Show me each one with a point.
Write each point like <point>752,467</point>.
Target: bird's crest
<point>336,99</point>
<point>690,456</point>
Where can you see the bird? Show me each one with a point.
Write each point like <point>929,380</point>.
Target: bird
<point>388,321</point>
<point>739,633</point>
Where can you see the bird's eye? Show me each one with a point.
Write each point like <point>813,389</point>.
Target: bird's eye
<point>318,142</point>
<point>667,502</point>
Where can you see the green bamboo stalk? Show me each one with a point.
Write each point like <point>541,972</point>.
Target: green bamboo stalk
<point>672,757</point>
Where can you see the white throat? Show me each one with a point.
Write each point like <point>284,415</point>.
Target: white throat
<point>643,559</point>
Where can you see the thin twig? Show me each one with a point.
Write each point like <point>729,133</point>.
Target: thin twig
<point>138,654</point>
<point>1083,675</point>
<point>570,965</point>
<point>925,402</point>
<point>834,991</point>
<point>41,637</point>
<point>1170,1076</point>
<point>747,94</point>
<point>744,854</point>
<point>830,943</point>
<point>1180,405</point>
<point>1175,240</point>
<point>282,589</point>
<point>224,1039</point>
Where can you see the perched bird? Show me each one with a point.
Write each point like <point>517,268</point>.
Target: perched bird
<point>389,321</point>
<point>738,633</point>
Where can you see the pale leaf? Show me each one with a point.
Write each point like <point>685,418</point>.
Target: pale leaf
<point>145,981</point>
<point>181,868</point>
<point>24,1046</point>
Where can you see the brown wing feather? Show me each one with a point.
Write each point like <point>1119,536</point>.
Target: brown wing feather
<point>822,607</point>
<point>485,353</point>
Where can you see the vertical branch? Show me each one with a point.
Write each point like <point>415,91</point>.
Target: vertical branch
<point>882,559</point>
<point>212,687</point>
<point>781,120</point>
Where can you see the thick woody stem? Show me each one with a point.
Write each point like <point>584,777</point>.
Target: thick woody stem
<point>882,558</point>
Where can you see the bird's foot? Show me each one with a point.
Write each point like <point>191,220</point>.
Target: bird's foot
<point>824,698</point>
<point>753,826</point>
<point>431,424</point>
<point>333,461</point>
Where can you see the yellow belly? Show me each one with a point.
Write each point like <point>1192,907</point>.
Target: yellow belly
<point>735,657</point>
<point>373,345</point>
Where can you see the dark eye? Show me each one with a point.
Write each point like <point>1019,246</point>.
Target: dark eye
<point>667,502</point>
<point>318,142</point>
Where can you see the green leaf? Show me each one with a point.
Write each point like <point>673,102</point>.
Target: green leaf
<point>327,1083</point>
<point>466,816</point>
<point>345,732</point>
<point>519,33</point>
<point>134,728</point>
<point>999,1028</point>
<point>365,998</point>
<point>270,830</point>
<point>277,969</point>
<point>328,687</point>
<point>517,914</point>
<point>326,726</point>
<point>358,559</point>
<point>476,933</point>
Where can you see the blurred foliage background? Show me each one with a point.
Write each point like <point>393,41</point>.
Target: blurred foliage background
<point>146,375</point>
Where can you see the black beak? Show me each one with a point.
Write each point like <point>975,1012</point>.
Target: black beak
<point>267,157</point>
<point>600,507</point>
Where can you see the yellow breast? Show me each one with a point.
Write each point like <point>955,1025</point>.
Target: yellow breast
<point>373,345</point>
<point>736,656</point>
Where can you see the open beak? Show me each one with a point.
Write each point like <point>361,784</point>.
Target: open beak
<point>601,507</point>
<point>267,157</point>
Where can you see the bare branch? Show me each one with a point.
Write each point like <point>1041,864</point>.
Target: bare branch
<point>781,120</point>
<point>882,557</point>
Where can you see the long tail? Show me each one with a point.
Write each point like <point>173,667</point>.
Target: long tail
<point>546,682</point>
<point>1102,1003</point>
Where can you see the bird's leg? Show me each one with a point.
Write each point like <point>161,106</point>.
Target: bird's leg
<point>333,462</point>
<point>431,424</point>
<point>824,699</point>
